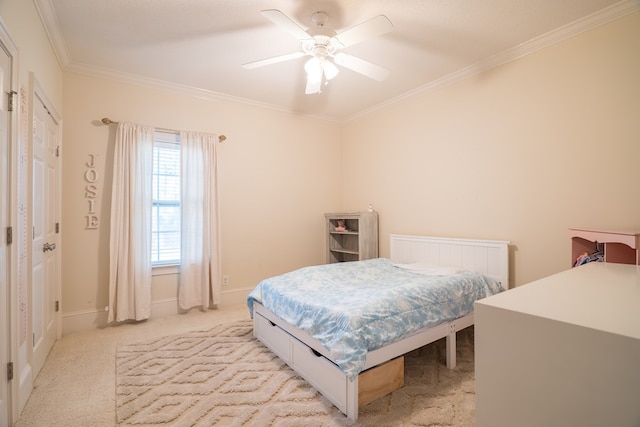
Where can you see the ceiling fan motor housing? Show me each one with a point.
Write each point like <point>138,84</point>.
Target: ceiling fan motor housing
<point>320,45</point>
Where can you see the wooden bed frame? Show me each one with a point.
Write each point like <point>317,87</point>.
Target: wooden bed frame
<point>384,367</point>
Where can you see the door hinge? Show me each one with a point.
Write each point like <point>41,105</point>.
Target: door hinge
<point>58,151</point>
<point>9,235</point>
<point>57,227</point>
<point>9,371</point>
<point>57,306</point>
<point>12,100</point>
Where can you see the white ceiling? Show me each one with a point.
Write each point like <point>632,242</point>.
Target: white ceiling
<point>200,45</point>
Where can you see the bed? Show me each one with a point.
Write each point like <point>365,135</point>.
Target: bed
<point>351,349</point>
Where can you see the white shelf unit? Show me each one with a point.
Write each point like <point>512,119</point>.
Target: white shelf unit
<point>358,242</point>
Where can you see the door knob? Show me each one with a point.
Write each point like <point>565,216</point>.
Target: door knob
<point>48,247</point>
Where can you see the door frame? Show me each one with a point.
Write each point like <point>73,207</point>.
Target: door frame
<point>10,333</point>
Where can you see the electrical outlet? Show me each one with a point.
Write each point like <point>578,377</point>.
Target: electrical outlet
<point>225,280</point>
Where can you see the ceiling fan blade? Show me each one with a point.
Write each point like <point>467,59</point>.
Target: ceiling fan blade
<point>361,66</point>
<point>313,86</point>
<point>286,23</point>
<point>272,60</point>
<point>368,29</point>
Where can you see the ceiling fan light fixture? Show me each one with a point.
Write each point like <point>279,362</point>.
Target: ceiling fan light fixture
<point>330,70</point>
<point>314,70</point>
<point>317,67</point>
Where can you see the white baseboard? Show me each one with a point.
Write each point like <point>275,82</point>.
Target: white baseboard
<point>95,319</point>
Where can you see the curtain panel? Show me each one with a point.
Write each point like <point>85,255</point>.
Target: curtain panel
<point>130,233</point>
<point>200,269</point>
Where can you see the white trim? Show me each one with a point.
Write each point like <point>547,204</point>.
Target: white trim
<point>47,14</point>
<point>9,342</point>
<point>205,94</point>
<point>165,270</point>
<point>85,320</point>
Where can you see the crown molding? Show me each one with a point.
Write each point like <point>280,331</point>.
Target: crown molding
<point>582,25</point>
<point>163,85</point>
<point>51,26</point>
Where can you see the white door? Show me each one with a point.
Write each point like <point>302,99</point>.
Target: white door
<point>5,296</point>
<point>45,245</point>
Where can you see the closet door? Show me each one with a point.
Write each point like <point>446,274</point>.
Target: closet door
<point>45,244</point>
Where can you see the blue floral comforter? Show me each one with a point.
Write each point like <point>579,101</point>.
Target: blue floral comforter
<point>354,307</point>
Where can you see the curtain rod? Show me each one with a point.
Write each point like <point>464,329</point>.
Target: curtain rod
<point>108,121</point>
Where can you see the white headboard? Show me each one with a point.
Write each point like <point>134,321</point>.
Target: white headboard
<point>489,257</point>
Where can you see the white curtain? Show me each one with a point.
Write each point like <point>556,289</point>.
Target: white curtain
<point>200,275</point>
<point>130,234</point>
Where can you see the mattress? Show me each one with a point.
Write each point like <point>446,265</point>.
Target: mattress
<point>354,307</point>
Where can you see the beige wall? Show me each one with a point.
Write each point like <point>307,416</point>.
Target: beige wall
<point>519,153</point>
<point>278,174</point>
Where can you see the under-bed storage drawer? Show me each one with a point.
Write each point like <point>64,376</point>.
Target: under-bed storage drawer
<point>273,337</point>
<point>380,380</point>
<point>320,373</point>
<point>324,375</point>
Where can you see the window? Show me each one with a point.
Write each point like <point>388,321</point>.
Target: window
<point>165,242</point>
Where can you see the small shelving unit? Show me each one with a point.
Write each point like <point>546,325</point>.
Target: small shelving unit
<point>619,246</point>
<point>358,242</point>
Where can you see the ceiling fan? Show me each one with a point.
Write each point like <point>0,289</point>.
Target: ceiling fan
<point>323,45</point>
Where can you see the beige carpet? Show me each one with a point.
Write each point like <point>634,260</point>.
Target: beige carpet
<point>225,377</point>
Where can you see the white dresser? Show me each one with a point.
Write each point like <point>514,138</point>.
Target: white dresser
<point>561,351</point>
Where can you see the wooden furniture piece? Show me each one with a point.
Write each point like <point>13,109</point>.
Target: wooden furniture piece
<point>309,359</point>
<point>359,241</point>
<point>561,351</point>
<point>619,246</point>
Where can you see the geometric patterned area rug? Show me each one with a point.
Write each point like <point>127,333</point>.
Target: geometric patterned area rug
<point>226,377</point>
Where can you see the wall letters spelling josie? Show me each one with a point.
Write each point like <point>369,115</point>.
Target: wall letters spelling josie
<point>91,192</point>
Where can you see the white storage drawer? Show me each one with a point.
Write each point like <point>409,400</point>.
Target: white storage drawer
<point>320,373</point>
<point>276,339</point>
